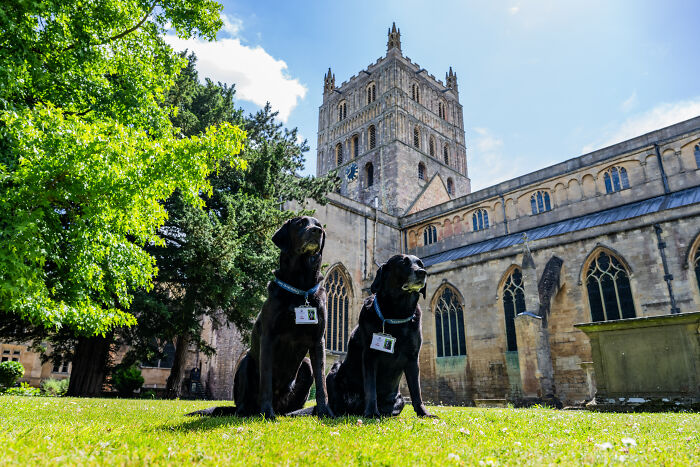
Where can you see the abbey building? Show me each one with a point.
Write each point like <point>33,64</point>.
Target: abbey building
<point>610,234</point>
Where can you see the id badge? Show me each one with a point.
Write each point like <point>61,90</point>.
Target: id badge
<point>305,315</point>
<point>383,342</point>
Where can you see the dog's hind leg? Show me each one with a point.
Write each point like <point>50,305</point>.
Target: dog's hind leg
<point>245,388</point>
<point>299,389</point>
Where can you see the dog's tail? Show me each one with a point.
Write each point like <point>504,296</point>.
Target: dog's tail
<point>222,411</point>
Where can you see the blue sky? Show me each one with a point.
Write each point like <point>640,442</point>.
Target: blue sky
<point>540,81</point>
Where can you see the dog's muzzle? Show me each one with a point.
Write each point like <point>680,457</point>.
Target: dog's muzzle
<point>416,281</point>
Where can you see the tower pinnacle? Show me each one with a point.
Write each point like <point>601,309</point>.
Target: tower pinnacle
<point>394,41</point>
<point>328,82</point>
<point>451,80</point>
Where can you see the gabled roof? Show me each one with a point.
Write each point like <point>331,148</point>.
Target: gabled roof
<point>620,213</point>
<point>434,192</point>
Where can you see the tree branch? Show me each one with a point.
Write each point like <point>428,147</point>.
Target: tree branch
<point>123,33</point>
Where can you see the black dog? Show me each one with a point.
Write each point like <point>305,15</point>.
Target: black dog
<point>367,381</point>
<point>274,376</point>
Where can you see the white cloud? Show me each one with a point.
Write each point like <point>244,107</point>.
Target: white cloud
<point>629,103</point>
<point>660,116</point>
<point>488,164</point>
<point>258,76</point>
<point>514,10</point>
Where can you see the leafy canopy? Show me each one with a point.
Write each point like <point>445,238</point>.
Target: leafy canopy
<point>88,153</point>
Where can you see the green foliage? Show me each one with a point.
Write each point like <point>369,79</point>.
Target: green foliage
<point>117,432</point>
<point>88,153</point>
<point>55,387</point>
<point>23,389</point>
<point>10,372</point>
<point>127,380</point>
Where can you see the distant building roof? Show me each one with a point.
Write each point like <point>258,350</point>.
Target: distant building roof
<point>620,213</point>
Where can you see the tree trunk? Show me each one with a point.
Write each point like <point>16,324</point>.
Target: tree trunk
<point>173,388</point>
<point>89,366</point>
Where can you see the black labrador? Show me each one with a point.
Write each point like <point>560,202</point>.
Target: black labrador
<point>275,377</point>
<point>367,381</point>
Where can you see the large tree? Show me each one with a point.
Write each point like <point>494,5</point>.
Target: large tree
<point>88,154</point>
<point>217,261</point>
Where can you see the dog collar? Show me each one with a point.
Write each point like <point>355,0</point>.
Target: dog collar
<point>294,290</point>
<point>389,321</point>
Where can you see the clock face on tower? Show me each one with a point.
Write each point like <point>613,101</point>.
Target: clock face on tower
<point>351,172</point>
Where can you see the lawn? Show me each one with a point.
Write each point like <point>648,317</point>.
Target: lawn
<point>113,431</point>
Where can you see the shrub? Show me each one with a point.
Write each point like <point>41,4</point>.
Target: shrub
<point>10,372</point>
<point>24,389</point>
<point>127,380</point>
<point>150,394</point>
<point>55,387</point>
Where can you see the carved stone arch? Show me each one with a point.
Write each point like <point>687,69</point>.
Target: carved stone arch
<point>594,252</point>
<point>448,309</point>
<point>339,292</point>
<point>505,275</point>
<point>692,263</point>
<point>691,250</point>
<point>341,267</point>
<point>436,296</point>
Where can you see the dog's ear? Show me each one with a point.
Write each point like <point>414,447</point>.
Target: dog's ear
<point>377,283</point>
<point>424,291</point>
<point>323,241</point>
<point>281,237</point>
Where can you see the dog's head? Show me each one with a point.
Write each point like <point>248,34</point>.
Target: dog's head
<point>300,236</point>
<point>403,273</point>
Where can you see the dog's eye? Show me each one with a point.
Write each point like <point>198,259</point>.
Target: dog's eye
<point>420,263</point>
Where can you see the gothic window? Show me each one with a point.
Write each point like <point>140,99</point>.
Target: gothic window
<point>372,137</point>
<point>480,220</point>
<point>696,262</point>
<point>450,187</point>
<point>338,154</point>
<point>355,146</point>
<point>369,174</point>
<point>416,137</point>
<point>415,92</point>
<point>446,154</point>
<point>429,235</point>
<point>421,171</point>
<point>168,356</point>
<point>441,110</point>
<point>540,202</point>
<point>609,291</point>
<point>338,306</point>
<point>449,325</point>
<point>616,179</point>
<point>342,111</point>
<point>431,146</point>
<point>697,155</point>
<point>371,93</point>
<point>513,304</point>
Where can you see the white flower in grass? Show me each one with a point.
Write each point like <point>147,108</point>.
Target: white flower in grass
<point>464,431</point>
<point>604,446</point>
<point>453,457</point>
<point>629,442</point>
<point>335,433</point>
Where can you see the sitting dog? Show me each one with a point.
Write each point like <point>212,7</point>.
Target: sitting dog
<point>275,376</point>
<point>367,381</point>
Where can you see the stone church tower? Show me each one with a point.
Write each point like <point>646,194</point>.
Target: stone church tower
<point>395,134</point>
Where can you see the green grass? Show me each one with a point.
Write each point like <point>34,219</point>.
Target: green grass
<point>114,431</point>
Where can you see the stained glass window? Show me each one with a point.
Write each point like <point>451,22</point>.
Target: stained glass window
<point>540,202</point>
<point>513,304</point>
<point>429,235</point>
<point>609,291</point>
<point>449,325</point>
<point>338,305</point>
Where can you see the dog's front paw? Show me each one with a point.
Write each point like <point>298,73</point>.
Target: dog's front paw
<point>324,411</point>
<point>421,411</point>
<point>268,413</point>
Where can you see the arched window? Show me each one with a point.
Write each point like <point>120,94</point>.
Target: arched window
<point>449,325</point>
<point>338,154</point>
<point>480,220</point>
<point>616,179</point>
<point>513,304</point>
<point>431,146</point>
<point>369,174</point>
<point>441,110</point>
<point>371,93</point>
<point>416,137</point>
<point>355,146</point>
<point>450,187</point>
<point>609,291</point>
<point>421,171</point>
<point>696,262</point>
<point>342,111</point>
<point>338,306</point>
<point>415,92</point>
<point>697,155</point>
<point>429,235</point>
<point>446,154</point>
<point>372,137</point>
<point>540,202</point>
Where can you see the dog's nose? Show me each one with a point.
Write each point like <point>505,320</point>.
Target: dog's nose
<point>316,229</point>
<point>420,273</point>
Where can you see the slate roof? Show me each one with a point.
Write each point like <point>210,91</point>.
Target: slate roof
<point>608,216</point>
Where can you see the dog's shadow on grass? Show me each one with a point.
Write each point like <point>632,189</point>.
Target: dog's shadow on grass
<point>204,423</point>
